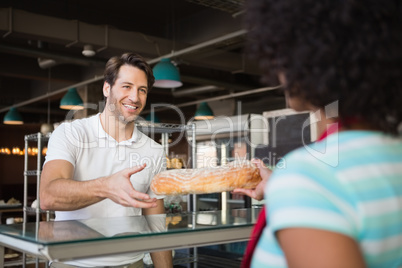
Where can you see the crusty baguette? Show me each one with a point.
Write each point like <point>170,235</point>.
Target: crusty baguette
<point>241,174</point>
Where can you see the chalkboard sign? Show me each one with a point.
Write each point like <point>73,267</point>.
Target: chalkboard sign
<point>286,133</point>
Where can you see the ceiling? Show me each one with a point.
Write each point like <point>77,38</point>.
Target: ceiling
<point>41,45</point>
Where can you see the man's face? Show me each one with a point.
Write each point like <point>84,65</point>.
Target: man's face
<point>128,96</point>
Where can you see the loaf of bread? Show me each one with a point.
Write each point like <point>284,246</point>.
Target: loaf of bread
<point>242,174</point>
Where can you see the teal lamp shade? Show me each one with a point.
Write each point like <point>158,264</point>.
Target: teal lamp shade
<point>204,112</point>
<point>152,117</point>
<point>166,75</point>
<point>13,117</point>
<point>71,101</point>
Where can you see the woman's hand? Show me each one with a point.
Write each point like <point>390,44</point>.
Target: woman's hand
<point>258,192</point>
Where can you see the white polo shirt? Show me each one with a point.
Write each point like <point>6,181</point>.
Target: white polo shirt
<point>94,154</point>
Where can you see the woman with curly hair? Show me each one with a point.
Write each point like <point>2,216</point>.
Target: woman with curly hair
<point>338,202</point>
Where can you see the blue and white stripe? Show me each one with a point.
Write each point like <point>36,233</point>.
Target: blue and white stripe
<point>360,196</point>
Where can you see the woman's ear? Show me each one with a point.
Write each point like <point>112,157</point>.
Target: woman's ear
<point>106,89</point>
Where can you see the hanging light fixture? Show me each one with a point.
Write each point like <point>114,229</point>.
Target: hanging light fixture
<point>88,51</point>
<point>166,74</point>
<point>204,112</point>
<point>13,117</point>
<point>72,101</point>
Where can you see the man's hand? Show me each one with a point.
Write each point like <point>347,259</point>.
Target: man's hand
<point>119,189</point>
<point>60,192</point>
<point>258,192</point>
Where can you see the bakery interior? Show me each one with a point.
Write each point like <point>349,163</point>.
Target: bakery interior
<point>49,47</point>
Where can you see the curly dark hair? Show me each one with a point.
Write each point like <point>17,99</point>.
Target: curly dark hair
<point>329,50</point>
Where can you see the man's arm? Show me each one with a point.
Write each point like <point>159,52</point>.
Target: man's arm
<point>58,191</point>
<point>160,259</point>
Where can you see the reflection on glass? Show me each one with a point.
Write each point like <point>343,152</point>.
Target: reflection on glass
<point>110,228</point>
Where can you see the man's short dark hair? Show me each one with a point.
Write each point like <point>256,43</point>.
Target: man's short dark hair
<point>132,59</point>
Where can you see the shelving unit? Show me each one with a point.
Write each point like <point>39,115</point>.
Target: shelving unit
<point>224,140</point>
<point>166,129</point>
<point>39,139</point>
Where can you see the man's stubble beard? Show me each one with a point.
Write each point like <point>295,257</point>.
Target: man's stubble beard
<point>115,109</point>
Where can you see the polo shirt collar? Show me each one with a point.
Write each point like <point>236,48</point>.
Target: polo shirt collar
<point>103,135</point>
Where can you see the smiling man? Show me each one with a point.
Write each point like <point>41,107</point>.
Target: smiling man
<point>102,166</point>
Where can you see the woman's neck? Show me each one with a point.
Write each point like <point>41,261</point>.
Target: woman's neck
<point>323,123</point>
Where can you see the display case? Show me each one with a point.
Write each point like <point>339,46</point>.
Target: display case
<point>75,239</point>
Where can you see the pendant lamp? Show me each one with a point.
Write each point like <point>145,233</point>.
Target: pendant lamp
<point>152,117</point>
<point>204,112</point>
<point>13,117</point>
<point>166,74</point>
<point>72,101</point>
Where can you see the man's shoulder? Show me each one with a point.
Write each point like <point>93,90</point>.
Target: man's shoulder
<point>81,121</point>
<point>76,126</point>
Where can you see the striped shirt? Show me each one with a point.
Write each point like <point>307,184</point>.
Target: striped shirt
<point>349,183</point>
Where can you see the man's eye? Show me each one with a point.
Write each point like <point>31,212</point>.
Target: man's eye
<point>143,90</point>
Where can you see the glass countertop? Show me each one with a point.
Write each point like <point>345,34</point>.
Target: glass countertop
<point>100,229</point>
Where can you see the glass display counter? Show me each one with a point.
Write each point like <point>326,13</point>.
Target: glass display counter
<point>75,239</point>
